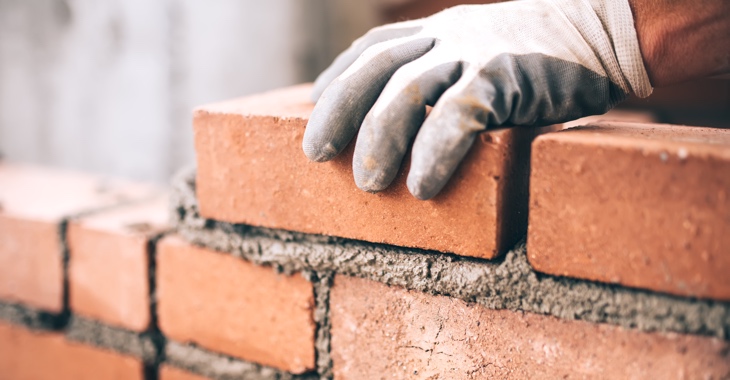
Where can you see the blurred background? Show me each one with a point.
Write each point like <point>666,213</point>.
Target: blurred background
<point>108,86</point>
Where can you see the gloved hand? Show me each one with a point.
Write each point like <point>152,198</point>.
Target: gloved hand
<point>531,62</point>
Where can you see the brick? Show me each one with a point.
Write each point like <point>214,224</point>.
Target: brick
<point>231,306</point>
<point>25,354</point>
<point>615,115</point>
<point>251,169</point>
<point>379,330</point>
<point>642,205</point>
<point>33,202</point>
<point>172,373</point>
<point>108,263</point>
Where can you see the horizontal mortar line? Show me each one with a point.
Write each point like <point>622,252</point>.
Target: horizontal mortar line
<point>27,316</point>
<point>98,334</point>
<point>23,316</point>
<point>489,283</point>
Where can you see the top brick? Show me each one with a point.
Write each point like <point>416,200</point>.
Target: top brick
<point>251,169</point>
<point>642,205</point>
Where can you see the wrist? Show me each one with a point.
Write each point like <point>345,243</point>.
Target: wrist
<point>682,40</point>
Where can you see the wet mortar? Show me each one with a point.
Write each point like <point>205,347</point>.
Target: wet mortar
<point>506,284</point>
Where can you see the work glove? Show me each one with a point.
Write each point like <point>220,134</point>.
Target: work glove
<point>528,63</point>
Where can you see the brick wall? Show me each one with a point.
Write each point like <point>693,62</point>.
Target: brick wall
<point>260,265</point>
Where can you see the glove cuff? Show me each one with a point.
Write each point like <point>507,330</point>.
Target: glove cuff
<point>618,21</point>
<point>608,27</point>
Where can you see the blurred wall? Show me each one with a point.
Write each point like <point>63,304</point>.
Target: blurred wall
<point>108,86</point>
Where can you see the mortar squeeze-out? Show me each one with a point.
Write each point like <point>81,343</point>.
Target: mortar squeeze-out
<point>507,284</point>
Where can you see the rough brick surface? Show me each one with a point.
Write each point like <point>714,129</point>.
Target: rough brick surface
<point>42,355</point>
<point>108,265</point>
<point>33,203</point>
<point>31,268</point>
<point>614,115</point>
<point>251,169</point>
<point>378,330</point>
<point>172,373</point>
<point>228,305</point>
<point>642,205</point>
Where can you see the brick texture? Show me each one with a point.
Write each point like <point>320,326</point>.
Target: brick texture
<point>251,169</point>
<point>31,269</point>
<point>172,373</point>
<point>108,266</point>
<point>228,305</point>
<point>379,330</point>
<point>642,205</point>
<point>42,355</point>
<point>33,202</point>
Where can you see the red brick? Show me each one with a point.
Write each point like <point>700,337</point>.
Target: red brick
<point>615,115</point>
<point>108,266</point>
<point>172,373</point>
<point>33,202</point>
<point>251,169</point>
<point>642,205</point>
<point>42,355</point>
<point>378,330</point>
<point>231,306</point>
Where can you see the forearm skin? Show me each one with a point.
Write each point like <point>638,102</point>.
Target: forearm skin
<point>681,40</point>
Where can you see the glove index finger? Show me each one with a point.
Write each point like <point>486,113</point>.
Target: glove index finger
<point>338,114</point>
<point>346,58</point>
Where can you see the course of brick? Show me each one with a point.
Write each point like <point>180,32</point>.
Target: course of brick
<point>251,170</point>
<point>378,330</point>
<point>508,284</point>
<point>642,205</point>
<point>138,292</point>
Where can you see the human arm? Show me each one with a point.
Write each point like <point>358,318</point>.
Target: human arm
<point>681,40</point>
<point>532,62</point>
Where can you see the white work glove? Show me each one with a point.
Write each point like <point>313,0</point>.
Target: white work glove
<point>531,62</point>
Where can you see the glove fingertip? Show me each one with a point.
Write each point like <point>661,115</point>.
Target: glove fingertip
<point>420,189</point>
<point>320,153</point>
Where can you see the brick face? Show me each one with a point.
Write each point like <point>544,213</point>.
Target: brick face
<point>42,355</point>
<point>227,305</point>
<point>108,266</point>
<point>31,268</point>
<point>380,331</point>
<point>641,205</point>
<point>251,169</point>
<point>33,202</point>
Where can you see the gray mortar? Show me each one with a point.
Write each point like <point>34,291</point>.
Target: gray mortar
<point>113,338</point>
<point>220,367</point>
<point>28,317</point>
<point>322,285</point>
<point>509,284</point>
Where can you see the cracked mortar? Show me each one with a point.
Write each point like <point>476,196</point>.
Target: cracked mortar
<point>509,284</point>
